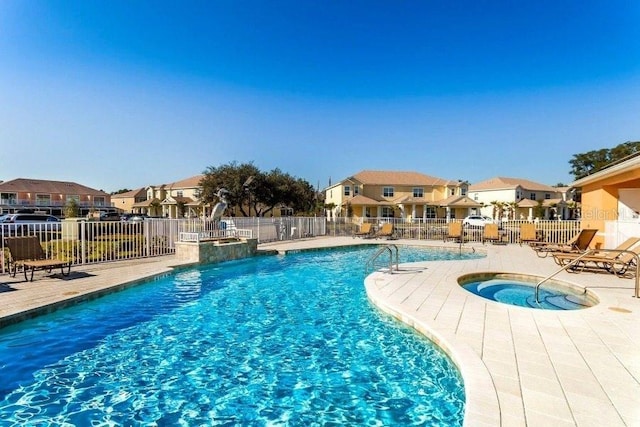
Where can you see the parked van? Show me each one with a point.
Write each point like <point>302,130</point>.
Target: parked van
<point>29,222</point>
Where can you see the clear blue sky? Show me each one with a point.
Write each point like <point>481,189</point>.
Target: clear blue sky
<point>123,94</point>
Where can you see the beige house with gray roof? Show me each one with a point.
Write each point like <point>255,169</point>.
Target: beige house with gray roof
<point>515,198</point>
<point>395,194</point>
<point>175,200</point>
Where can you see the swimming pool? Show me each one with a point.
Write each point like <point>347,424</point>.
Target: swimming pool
<point>275,339</point>
<point>519,290</point>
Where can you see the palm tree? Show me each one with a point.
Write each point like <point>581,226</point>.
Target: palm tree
<point>513,208</point>
<point>495,204</point>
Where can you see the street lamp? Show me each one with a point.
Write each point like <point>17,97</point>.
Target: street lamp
<point>245,187</point>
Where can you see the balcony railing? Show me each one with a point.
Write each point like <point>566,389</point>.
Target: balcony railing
<point>45,204</point>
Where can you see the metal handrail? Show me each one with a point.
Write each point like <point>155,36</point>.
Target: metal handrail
<point>379,252</point>
<point>589,252</point>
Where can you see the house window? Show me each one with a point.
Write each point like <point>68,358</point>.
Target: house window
<point>43,199</point>
<point>179,193</point>
<point>463,191</point>
<point>452,192</point>
<point>387,192</point>
<point>532,196</point>
<point>286,211</point>
<point>475,196</point>
<point>99,201</point>
<point>347,190</point>
<point>418,192</point>
<point>74,198</point>
<point>356,190</point>
<point>8,198</point>
<point>387,212</point>
<point>430,212</point>
<point>547,196</point>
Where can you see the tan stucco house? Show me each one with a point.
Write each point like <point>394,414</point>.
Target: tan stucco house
<point>175,200</point>
<point>611,202</point>
<point>126,201</point>
<point>397,194</point>
<point>518,198</point>
<point>178,199</point>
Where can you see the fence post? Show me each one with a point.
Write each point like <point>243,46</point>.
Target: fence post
<point>83,242</point>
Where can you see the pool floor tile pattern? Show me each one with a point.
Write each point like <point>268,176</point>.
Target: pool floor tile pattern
<point>521,367</point>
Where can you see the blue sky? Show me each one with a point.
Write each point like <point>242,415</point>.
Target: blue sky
<point>123,94</point>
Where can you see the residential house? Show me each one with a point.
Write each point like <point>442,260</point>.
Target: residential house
<point>30,195</point>
<point>610,202</point>
<point>515,198</point>
<point>126,201</point>
<point>175,200</point>
<point>393,194</point>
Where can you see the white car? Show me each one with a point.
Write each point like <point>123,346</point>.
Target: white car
<point>478,221</point>
<point>27,222</point>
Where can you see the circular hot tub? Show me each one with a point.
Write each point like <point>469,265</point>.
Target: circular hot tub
<point>520,290</point>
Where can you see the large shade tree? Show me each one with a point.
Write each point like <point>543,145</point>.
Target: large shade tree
<point>253,192</point>
<point>585,164</point>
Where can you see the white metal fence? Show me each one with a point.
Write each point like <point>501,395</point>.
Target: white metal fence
<point>87,242</point>
<point>437,229</point>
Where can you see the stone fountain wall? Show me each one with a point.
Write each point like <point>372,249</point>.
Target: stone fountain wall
<point>212,251</point>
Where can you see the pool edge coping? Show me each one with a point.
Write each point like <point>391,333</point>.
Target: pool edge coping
<point>482,407</point>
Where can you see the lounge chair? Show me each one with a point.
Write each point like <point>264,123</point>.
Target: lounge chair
<point>386,230</point>
<point>27,253</point>
<point>578,244</point>
<point>366,230</point>
<point>616,261</point>
<point>528,233</point>
<point>491,233</point>
<point>454,231</point>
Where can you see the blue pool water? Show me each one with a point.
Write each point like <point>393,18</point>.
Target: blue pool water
<point>522,293</point>
<point>286,340</point>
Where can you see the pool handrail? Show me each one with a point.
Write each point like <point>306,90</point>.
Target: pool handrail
<point>589,252</point>
<point>379,252</point>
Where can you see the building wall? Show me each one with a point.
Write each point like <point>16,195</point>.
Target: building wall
<point>334,195</point>
<point>125,204</point>
<point>509,195</point>
<point>487,196</point>
<point>600,200</point>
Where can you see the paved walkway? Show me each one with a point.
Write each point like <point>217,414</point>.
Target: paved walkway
<point>521,367</point>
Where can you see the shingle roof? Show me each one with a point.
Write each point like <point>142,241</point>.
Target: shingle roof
<point>503,183</point>
<point>177,199</point>
<point>146,203</point>
<point>459,202</point>
<point>372,177</point>
<point>363,200</point>
<point>192,182</point>
<point>129,194</point>
<point>28,185</point>
<point>527,203</point>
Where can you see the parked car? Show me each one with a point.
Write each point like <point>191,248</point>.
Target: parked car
<point>109,216</point>
<point>135,217</point>
<point>28,222</point>
<point>478,221</point>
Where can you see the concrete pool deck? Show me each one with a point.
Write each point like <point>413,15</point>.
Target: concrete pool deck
<point>522,367</point>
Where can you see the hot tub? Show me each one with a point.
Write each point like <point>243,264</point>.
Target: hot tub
<point>520,290</point>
